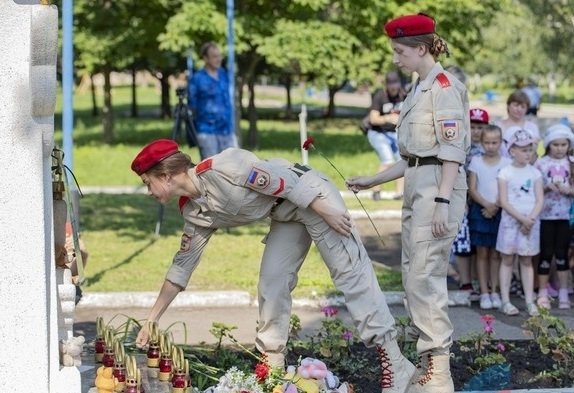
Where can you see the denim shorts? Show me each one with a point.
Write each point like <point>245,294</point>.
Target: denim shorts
<point>211,144</point>
<point>385,145</point>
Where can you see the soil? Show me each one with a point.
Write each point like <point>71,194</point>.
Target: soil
<point>524,369</point>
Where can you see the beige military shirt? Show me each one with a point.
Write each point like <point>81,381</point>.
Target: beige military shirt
<point>434,119</point>
<point>236,188</point>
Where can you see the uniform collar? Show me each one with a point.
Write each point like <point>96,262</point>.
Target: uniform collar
<point>427,83</point>
<point>196,181</point>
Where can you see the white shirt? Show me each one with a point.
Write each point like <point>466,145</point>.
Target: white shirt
<point>520,186</point>
<point>486,174</point>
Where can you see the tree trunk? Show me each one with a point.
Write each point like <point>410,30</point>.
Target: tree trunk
<point>331,107</point>
<point>95,110</point>
<point>289,109</point>
<point>250,76</point>
<point>134,108</point>
<point>107,110</point>
<point>165,108</point>
<point>252,113</point>
<point>240,85</point>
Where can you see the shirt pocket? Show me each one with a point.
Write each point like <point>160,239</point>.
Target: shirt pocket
<point>421,131</point>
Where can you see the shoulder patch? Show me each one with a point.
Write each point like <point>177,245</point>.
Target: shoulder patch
<point>203,166</point>
<point>449,129</point>
<point>182,201</point>
<point>443,80</point>
<point>258,179</point>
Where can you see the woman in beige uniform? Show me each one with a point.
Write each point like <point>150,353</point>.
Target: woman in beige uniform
<point>433,137</point>
<point>235,188</point>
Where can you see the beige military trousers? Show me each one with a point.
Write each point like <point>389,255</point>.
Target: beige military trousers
<point>425,258</point>
<point>292,230</point>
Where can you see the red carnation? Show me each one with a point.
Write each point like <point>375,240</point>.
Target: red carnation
<point>308,143</point>
<point>261,372</point>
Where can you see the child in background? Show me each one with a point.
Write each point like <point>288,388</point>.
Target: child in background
<point>555,215</point>
<point>517,105</point>
<point>521,197</point>
<point>484,214</point>
<point>463,248</point>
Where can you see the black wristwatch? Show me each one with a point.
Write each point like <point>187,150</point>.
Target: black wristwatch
<point>441,200</point>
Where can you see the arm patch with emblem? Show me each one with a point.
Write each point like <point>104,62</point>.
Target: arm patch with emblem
<point>258,179</point>
<point>449,129</point>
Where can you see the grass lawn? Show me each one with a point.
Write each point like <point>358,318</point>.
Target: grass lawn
<point>118,229</point>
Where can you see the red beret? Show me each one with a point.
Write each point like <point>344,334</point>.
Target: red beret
<point>153,153</point>
<point>478,115</point>
<point>410,25</point>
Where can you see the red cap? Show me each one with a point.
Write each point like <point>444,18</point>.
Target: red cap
<point>478,115</point>
<point>153,153</point>
<point>410,25</point>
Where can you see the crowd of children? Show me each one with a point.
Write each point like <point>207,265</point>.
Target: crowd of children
<point>520,211</point>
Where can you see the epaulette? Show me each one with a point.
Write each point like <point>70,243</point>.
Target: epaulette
<point>443,80</point>
<point>203,166</point>
<point>182,201</point>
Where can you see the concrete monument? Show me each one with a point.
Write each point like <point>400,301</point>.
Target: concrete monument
<point>32,322</point>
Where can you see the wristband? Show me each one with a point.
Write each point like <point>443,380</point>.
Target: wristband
<point>441,200</point>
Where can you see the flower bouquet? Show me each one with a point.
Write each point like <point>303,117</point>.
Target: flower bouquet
<point>311,376</point>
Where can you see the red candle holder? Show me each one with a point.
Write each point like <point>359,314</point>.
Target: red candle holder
<point>179,382</point>
<point>153,355</point>
<point>109,358</point>
<point>165,368</point>
<point>100,346</point>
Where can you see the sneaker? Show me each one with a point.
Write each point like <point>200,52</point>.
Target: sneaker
<point>474,296</point>
<point>532,309</point>
<point>563,299</point>
<point>495,300</point>
<point>509,309</point>
<point>485,302</point>
<point>551,291</point>
<point>543,302</point>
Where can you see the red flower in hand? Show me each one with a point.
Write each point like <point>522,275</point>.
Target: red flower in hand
<point>308,143</point>
<point>261,372</point>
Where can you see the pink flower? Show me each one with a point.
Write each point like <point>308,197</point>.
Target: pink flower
<point>500,347</point>
<point>329,311</point>
<point>487,318</point>
<point>488,321</point>
<point>308,143</point>
<point>348,335</point>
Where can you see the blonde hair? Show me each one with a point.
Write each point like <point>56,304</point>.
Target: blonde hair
<point>435,44</point>
<point>176,163</point>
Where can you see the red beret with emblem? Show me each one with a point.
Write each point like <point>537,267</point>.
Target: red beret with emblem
<point>410,25</point>
<point>478,115</point>
<point>153,153</point>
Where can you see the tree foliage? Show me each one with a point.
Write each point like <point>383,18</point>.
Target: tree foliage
<point>325,42</point>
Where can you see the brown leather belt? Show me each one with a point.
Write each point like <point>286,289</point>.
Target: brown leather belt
<point>417,161</point>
